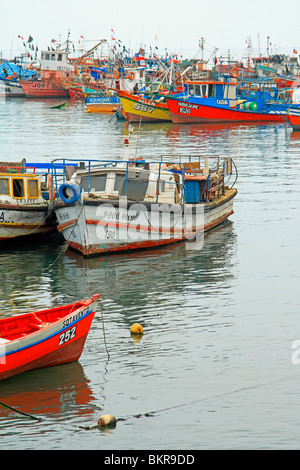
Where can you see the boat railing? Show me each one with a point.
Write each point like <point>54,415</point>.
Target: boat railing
<point>62,169</point>
<point>16,169</point>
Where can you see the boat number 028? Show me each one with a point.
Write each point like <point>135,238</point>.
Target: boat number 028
<point>184,111</point>
<point>67,335</point>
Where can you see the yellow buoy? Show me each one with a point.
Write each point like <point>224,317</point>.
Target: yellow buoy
<point>107,420</point>
<point>137,328</point>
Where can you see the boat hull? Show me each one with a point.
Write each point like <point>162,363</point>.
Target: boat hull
<point>100,227</point>
<point>183,112</point>
<point>101,104</point>
<point>293,117</point>
<point>12,89</point>
<point>137,109</point>
<point>44,89</point>
<point>25,220</point>
<point>60,343</point>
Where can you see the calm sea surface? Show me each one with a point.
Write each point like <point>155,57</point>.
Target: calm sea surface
<point>215,368</point>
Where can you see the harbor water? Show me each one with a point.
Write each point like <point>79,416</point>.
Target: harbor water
<point>218,364</point>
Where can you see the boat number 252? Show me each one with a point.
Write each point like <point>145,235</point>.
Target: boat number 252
<point>67,335</point>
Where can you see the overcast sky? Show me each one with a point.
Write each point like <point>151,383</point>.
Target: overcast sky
<point>168,24</point>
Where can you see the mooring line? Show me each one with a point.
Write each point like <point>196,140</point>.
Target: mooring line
<point>20,412</point>
<point>151,414</point>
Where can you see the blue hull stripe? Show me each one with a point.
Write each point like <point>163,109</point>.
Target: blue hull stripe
<point>45,339</point>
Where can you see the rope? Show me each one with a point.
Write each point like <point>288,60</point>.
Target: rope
<point>18,411</point>
<point>151,414</point>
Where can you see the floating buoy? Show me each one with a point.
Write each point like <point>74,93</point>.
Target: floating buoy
<point>107,420</point>
<point>137,328</point>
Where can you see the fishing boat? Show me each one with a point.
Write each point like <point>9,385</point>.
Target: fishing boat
<point>11,88</point>
<point>227,100</point>
<point>10,74</point>
<point>139,108</point>
<point>4,89</point>
<point>45,338</point>
<point>55,72</point>
<point>104,102</point>
<point>115,206</point>
<point>293,117</point>
<point>24,211</point>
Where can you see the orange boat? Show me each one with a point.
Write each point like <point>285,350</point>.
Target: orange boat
<point>45,338</point>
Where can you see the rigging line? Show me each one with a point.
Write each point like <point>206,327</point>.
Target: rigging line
<point>102,318</point>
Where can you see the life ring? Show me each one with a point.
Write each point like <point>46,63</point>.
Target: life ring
<point>234,72</point>
<point>51,189</point>
<point>116,74</point>
<point>131,75</point>
<point>30,66</point>
<point>70,192</point>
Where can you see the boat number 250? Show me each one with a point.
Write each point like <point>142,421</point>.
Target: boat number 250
<point>67,335</point>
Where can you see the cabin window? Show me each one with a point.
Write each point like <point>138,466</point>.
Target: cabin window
<point>59,57</point>
<point>97,183</point>
<point>47,56</point>
<point>191,90</point>
<point>204,90</point>
<point>118,182</point>
<point>197,90</point>
<point>4,187</point>
<point>33,189</point>
<point>162,186</point>
<point>18,188</point>
<point>52,56</point>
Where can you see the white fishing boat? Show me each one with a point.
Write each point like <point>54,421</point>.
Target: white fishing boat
<point>11,88</point>
<point>4,90</point>
<point>23,210</point>
<point>115,206</point>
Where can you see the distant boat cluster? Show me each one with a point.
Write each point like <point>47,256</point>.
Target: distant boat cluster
<point>150,88</point>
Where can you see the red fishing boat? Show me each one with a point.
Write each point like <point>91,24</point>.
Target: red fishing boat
<point>228,100</point>
<point>293,116</point>
<point>45,338</point>
<point>55,74</point>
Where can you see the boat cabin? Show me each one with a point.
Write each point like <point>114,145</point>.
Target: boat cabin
<point>19,185</point>
<point>136,181</point>
<point>212,89</point>
<point>55,63</point>
<point>150,182</point>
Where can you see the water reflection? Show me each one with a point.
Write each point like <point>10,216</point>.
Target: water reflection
<point>54,391</point>
<point>45,276</point>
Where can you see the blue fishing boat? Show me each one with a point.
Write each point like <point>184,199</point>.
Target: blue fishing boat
<point>10,74</point>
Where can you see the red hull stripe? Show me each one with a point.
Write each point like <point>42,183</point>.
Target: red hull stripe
<point>108,248</point>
